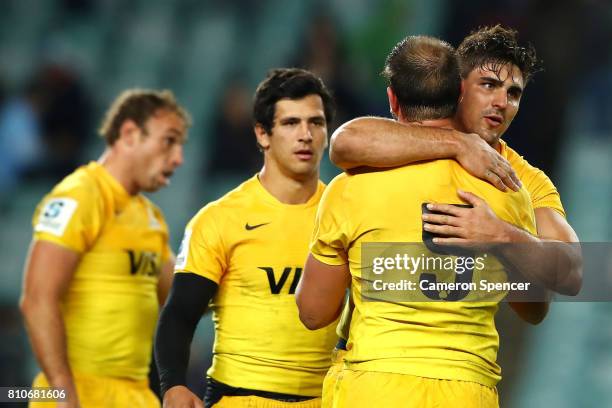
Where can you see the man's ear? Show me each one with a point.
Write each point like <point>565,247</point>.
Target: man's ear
<point>128,132</point>
<point>393,103</point>
<point>462,89</point>
<point>263,138</point>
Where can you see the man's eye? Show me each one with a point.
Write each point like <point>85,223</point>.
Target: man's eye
<point>514,95</point>
<point>487,85</point>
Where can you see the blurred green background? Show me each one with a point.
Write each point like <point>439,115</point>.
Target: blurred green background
<point>63,61</point>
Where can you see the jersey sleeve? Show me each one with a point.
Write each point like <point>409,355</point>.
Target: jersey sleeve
<point>329,242</point>
<point>71,218</point>
<point>543,192</point>
<point>202,250</point>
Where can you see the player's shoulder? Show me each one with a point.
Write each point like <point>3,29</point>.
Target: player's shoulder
<point>78,193</point>
<point>517,161</point>
<point>82,183</point>
<point>502,199</point>
<point>515,158</point>
<point>236,199</point>
<point>341,180</point>
<point>338,184</point>
<point>78,189</point>
<point>367,179</point>
<point>527,173</point>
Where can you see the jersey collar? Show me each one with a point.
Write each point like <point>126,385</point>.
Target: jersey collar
<point>269,198</point>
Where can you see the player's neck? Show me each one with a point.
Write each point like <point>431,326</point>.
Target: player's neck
<point>445,123</point>
<point>287,189</point>
<point>119,169</point>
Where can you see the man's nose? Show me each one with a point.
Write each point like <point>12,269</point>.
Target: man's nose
<point>501,99</point>
<point>177,156</point>
<point>305,133</point>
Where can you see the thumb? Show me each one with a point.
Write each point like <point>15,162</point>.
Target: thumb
<point>470,198</point>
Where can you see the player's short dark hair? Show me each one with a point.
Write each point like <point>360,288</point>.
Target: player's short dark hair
<point>423,72</point>
<point>291,83</point>
<point>138,105</point>
<point>491,48</point>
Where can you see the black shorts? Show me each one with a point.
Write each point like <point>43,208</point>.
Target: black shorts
<point>216,390</point>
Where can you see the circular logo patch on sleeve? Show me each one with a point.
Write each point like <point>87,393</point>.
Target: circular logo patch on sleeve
<point>56,215</point>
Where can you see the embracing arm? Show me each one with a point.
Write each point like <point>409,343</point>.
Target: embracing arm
<point>380,142</point>
<point>553,259</point>
<point>557,241</point>
<point>48,272</point>
<point>188,299</point>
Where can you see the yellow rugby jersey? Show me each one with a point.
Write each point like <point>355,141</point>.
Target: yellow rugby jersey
<point>445,340</point>
<point>110,309</point>
<point>542,190</point>
<point>255,247</point>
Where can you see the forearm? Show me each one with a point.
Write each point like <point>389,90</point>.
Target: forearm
<point>46,330</point>
<point>178,320</point>
<point>380,142</point>
<point>552,264</point>
<point>172,343</point>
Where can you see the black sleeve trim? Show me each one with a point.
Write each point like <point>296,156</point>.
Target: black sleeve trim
<point>188,299</point>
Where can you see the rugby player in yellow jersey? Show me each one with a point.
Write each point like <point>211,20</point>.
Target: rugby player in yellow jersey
<point>379,142</point>
<point>398,352</point>
<point>245,252</point>
<point>100,264</point>
<point>494,72</point>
